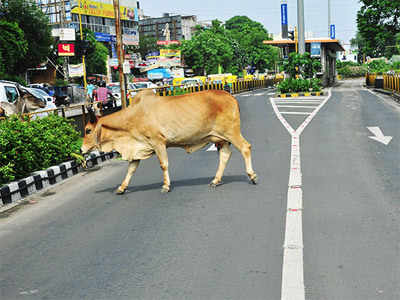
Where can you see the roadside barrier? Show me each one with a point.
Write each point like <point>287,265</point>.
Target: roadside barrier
<point>390,82</point>
<point>77,112</point>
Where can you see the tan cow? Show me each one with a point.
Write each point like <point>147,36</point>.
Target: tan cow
<point>154,123</point>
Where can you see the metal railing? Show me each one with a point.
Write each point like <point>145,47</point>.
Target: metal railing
<point>77,112</point>
<point>390,82</point>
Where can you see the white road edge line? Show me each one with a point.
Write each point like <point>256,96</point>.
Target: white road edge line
<point>293,269</point>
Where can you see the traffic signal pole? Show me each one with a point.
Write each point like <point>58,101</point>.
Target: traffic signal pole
<point>119,52</point>
<point>300,26</point>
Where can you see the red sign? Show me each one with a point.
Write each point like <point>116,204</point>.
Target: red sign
<point>165,43</point>
<point>66,49</point>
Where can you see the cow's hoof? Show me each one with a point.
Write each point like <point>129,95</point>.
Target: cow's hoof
<point>254,179</point>
<point>165,190</point>
<point>120,191</point>
<point>215,184</point>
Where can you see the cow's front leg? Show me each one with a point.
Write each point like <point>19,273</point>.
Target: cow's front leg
<point>131,170</point>
<point>161,152</point>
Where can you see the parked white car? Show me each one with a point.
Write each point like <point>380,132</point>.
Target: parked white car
<point>8,91</point>
<point>135,86</point>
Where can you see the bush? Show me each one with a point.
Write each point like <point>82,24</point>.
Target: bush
<point>291,85</point>
<point>26,147</point>
<point>349,71</point>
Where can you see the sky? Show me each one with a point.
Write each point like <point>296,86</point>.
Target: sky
<point>267,12</point>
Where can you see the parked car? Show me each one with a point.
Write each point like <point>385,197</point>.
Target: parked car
<point>43,86</point>
<point>8,91</point>
<point>61,95</point>
<point>135,86</point>
<point>191,82</point>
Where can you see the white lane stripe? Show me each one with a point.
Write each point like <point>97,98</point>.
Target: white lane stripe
<point>296,106</point>
<point>293,265</point>
<point>298,102</point>
<point>294,113</point>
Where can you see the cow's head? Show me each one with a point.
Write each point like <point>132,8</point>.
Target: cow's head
<point>91,140</point>
<point>29,102</point>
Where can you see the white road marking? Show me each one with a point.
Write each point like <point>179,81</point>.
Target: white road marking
<point>298,102</point>
<point>294,113</point>
<point>293,268</point>
<point>378,136</point>
<point>212,148</point>
<point>296,106</point>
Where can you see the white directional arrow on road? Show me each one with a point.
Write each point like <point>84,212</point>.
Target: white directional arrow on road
<point>379,135</point>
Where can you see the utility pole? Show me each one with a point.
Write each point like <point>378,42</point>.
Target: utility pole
<point>300,26</point>
<point>62,23</point>
<point>120,53</point>
<point>329,18</point>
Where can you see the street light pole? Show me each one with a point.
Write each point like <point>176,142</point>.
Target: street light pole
<point>300,26</point>
<point>329,18</point>
<point>83,56</point>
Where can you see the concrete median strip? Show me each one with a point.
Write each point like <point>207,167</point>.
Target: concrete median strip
<point>12,193</point>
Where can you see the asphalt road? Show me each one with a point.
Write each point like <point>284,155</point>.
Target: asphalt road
<point>81,241</point>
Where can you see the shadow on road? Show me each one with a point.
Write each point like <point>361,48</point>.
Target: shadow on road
<point>179,183</point>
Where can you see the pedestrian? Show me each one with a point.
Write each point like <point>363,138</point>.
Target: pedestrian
<point>89,94</point>
<point>102,93</point>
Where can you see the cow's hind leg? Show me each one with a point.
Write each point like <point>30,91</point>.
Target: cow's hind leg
<point>245,149</point>
<point>224,155</point>
<point>161,152</point>
<point>131,170</point>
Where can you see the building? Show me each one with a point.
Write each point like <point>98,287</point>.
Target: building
<point>349,55</point>
<point>180,27</point>
<point>97,15</point>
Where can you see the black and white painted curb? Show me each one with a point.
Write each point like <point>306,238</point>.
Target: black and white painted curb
<point>15,191</point>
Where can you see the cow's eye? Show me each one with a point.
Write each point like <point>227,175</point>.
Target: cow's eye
<point>88,131</point>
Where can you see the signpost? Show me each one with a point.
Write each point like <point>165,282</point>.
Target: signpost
<point>333,32</point>
<point>284,19</point>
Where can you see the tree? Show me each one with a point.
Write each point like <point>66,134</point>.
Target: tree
<point>359,42</point>
<point>209,49</point>
<point>250,36</point>
<point>301,64</point>
<point>34,24</point>
<point>13,45</point>
<point>147,44</point>
<point>378,22</point>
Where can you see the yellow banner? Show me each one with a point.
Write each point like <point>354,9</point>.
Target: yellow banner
<point>170,53</point>
<point>99,9</point>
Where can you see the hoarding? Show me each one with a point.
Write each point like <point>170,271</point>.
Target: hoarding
<point>170,53</point>
<point>76,70</point>
<point>103,9</point>
<point>66,49</point>
<point>315,49</point>
<point>166,43</point>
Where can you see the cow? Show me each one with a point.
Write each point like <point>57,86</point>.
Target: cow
<point>25,103</point>
<point>153,123</point>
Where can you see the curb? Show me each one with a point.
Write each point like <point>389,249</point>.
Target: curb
<point>14,191</point>
<point>294,95</point>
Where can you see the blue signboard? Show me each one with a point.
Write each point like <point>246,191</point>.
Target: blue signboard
<point>102,37</point>
<point>333,32</point>
<point>284,14</point>
<point>315,49</point>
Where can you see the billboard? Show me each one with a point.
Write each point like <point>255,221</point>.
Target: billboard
<point>66,49</point>
<point>103,8</point>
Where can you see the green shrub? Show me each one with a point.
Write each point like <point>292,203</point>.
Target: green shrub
<point>352,71</point>
<point>291,85</point>
<point>26,147</point>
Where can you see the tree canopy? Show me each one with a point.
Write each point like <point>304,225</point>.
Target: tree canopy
<point>233,46</point>
<point>378,22</point>
<point>36,31</point>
